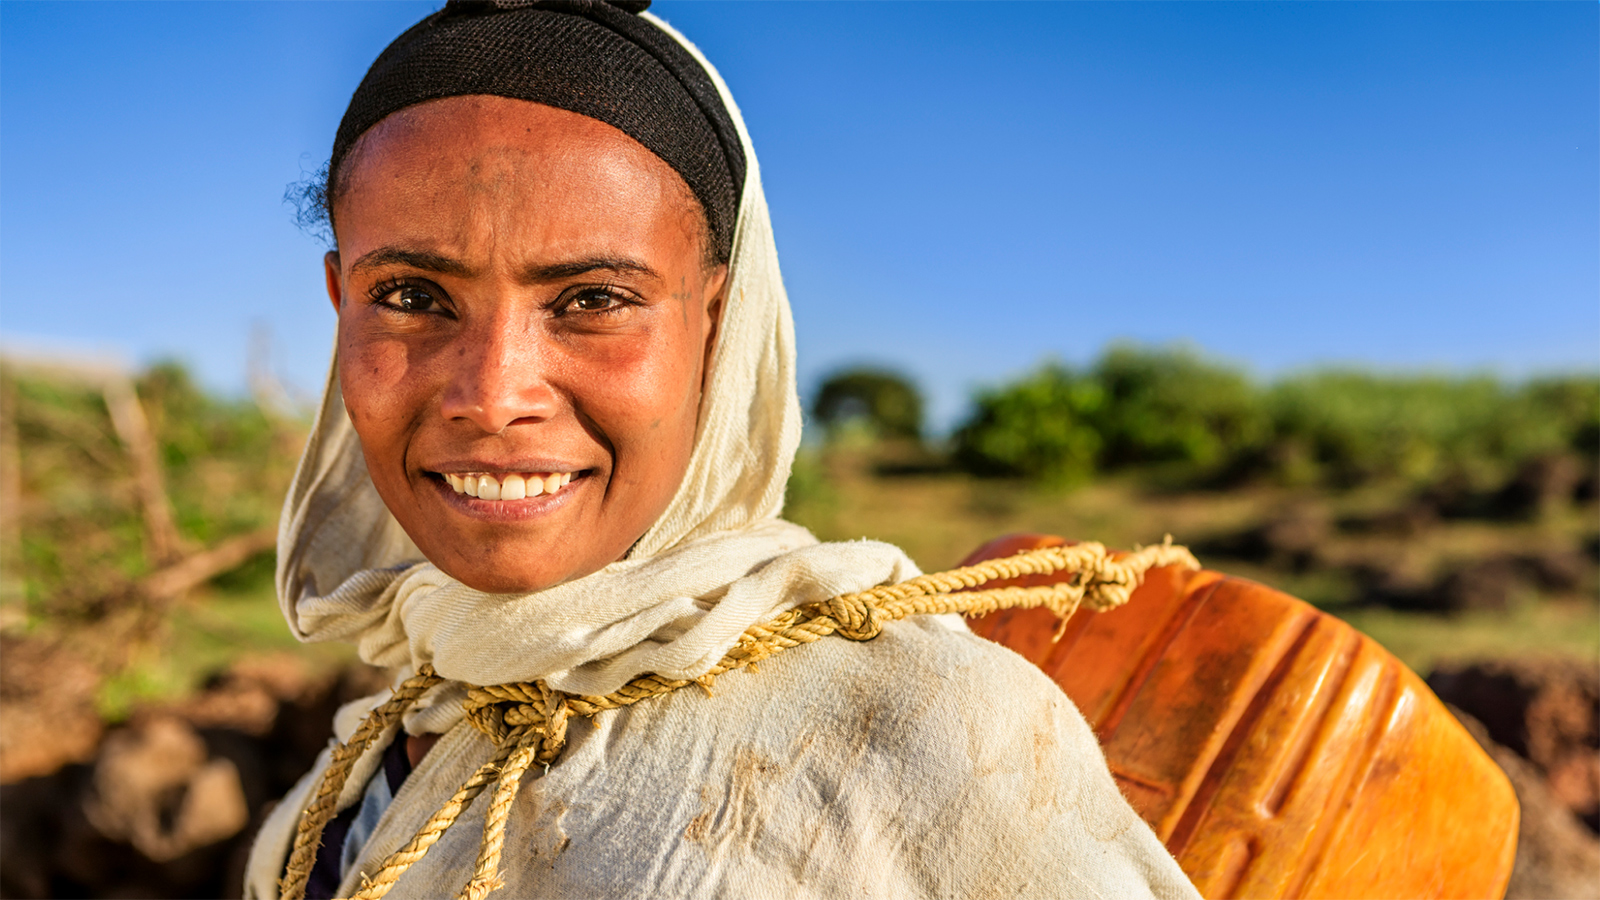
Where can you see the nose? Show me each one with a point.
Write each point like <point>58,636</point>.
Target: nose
<point>498,377</point>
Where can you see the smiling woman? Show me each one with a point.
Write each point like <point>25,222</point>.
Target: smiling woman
<point>544,489</point>
<point>520,380</point>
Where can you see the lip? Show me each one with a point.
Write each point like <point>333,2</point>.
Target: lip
<point>509,510</point>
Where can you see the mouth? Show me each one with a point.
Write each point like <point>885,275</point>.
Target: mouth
<point>505,486</point>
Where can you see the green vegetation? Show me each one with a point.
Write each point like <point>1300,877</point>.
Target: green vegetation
<point>1450,517</point>
<point>884,403</point>
<point>1182,419</point>
<point>94,506</point>
<point>1041,427</point>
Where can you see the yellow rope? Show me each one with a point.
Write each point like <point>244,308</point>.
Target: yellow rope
<point>374,887</point>
<point>486,872</point>
<point>322,808</point>
<point>528,721</point>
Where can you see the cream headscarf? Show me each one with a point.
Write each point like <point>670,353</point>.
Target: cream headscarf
<point>717,561</point>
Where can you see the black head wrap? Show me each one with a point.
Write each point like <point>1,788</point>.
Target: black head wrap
<point>590,57</point>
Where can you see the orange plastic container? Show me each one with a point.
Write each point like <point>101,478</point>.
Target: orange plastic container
<point>1275,750</point>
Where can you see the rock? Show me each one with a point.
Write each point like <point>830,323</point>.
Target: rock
<point>47,703</point>
<point>48,848</point>
<point>1556,856</point>
<point>1575,781</point>
<point>248,696</point>
<point>170,802</point>
<point>155,788</point>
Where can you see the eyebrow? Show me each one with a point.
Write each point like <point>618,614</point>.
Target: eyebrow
<point>417,259</point>
<point>557,271</point>
<point>444,265</point>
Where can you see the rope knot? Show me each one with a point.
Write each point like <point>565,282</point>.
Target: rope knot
<point>509,713</point>
<point>859,618</point>
<point>557,712</point>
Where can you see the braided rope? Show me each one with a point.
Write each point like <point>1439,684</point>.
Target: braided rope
<point>322,808</point>
<point>375,886</point>
<point>486,872</point>
<point>527,721</point>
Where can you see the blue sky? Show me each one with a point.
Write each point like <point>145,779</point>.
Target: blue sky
<point>959,190</point>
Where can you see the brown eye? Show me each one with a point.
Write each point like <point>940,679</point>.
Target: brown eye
<point>595,304</point>
<point>595,300</point>
<point>410,297</point>
<point>413,299</point>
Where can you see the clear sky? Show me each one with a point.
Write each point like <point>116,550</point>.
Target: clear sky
<point>960,190</point>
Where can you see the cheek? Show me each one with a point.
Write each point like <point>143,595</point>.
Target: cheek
<point>649,404</point>
<point>378,380</point>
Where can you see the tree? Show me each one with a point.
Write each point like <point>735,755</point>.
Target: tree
<point>1172,405</point>
<point>1040,426</point>
<point>887,402</point>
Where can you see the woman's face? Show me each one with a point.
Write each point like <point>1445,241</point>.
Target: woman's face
<point>524,309</point>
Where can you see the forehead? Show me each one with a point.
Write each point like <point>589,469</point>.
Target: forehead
<point>431,165</point>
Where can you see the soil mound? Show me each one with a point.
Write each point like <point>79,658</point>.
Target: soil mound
<point>166,804</point>
<point>47,704</point>
<point>1547,711</point>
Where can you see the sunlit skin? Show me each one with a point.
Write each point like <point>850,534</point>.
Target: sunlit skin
<point>520,289</point>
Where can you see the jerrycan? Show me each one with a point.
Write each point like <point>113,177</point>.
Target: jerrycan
<point>1275,750</point>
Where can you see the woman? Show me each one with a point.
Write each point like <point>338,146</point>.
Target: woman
<point>553,455</point>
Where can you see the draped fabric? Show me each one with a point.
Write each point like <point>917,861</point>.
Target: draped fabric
<point>927,762</point>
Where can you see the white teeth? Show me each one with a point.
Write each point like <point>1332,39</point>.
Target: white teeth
<point>512,486</point>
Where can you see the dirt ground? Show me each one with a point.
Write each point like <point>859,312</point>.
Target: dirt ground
<point>1537,720</point>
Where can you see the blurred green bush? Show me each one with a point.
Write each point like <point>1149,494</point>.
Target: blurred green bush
<point>75,541</point>
<point>1174,412</point>
<point>886,403</point>
<point>1042,426</point>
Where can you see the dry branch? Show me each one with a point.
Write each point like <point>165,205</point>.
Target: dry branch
<point>128,418</point>
<point>195,570</point>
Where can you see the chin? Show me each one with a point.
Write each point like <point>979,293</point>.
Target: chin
<point>492,572</point>
<point>507,583</point>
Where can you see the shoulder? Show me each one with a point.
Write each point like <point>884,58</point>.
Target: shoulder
<point>946,722</point>
<point>935,677</point>
<point>950,761</point>
<point>975,766</point>
<point>926,698</point>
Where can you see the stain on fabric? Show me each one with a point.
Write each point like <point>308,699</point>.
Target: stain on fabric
<point>701,823</point>
<point>549,838</point>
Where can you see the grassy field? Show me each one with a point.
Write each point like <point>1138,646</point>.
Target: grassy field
<point>939,517</point>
